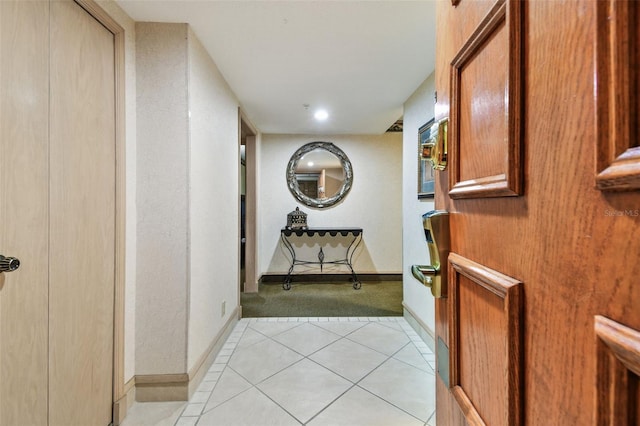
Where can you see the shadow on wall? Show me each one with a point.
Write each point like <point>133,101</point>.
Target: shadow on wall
<point>307,248</point>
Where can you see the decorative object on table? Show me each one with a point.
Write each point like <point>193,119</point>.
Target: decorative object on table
<point>426,176</point>
<point>319,174</point>
<point>297,219</point>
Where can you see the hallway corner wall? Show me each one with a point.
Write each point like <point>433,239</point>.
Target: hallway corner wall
<point>214,216</point>
<point>163,132</point>
<point>188,210</point>
<point>418,109</point>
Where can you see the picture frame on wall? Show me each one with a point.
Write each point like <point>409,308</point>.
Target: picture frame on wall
<point>426,175</point>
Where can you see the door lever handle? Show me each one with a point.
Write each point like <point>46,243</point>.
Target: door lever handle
<point>8,264</point>
<point>436,231</point>
<point>424,274</point>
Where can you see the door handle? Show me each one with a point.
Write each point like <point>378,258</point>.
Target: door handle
<point>436,230</point>
<point>8,264</point>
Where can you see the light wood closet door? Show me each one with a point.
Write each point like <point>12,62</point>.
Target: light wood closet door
<point>57,214</point>
<point>24,216</point>
<point>82,200</point>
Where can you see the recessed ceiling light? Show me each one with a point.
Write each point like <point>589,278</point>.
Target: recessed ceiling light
<point>310,163</point>
<point>321,115</point>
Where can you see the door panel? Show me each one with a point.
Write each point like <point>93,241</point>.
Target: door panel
<point>82,247</point>
<point>485,342</point>
<point>57,214</point>
<point>484,138</point>
<point>618,113</point>
<point>24,228</point>
<point>618,371</point>
<point>486,107</point>
<point>574,247</point>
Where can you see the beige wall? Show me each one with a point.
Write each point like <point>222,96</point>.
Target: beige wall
<point>163,132</point>
<point>214,216</point>
<point>374,202</point>
<point>418,109</point>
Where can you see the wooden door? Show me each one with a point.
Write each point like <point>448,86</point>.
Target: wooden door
<point>541,323</point>
<point>57,214</point>
<point>82,217</point>
<point>24,215</point>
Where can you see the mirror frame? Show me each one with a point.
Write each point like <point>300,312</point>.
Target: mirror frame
<point>292,182</point>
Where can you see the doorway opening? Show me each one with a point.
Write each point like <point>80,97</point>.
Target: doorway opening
<point>247,200</point>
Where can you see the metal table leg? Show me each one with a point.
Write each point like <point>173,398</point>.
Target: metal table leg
<point>357,284</point>
<point>286,284</point>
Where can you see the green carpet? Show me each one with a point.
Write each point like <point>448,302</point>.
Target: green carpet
<point>374,299</point>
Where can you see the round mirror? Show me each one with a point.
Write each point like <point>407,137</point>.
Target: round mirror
<point>319,174</point>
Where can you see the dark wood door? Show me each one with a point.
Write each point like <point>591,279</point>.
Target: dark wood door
<point>541,323</point>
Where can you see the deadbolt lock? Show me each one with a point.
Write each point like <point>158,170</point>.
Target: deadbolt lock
<point>436,148</point>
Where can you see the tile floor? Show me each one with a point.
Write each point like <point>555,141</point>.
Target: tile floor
<point>310,371</point>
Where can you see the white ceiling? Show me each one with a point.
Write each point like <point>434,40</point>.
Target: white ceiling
<point>359,60</point>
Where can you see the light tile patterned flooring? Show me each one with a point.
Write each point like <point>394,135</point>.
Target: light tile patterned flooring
<point>373,371</point>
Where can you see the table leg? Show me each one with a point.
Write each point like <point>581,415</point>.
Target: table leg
<point>286,284</point>
<point>357,284</point>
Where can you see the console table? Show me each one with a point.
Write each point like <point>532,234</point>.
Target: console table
<point>356,233</point>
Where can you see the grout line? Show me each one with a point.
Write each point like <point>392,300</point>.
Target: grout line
<point>391,403</point>
<point>432,416</point>
<point>276,403</point>
<point>353,385</point>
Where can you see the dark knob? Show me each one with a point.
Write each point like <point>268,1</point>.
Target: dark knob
<point>8,264</point>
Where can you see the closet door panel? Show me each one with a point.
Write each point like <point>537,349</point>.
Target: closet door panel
<point>82,217</point>
<point>24,189</point>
